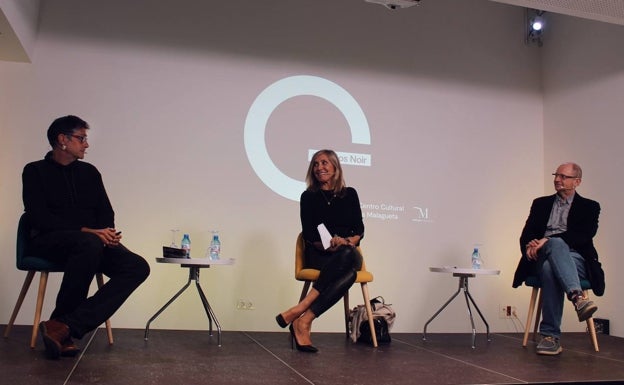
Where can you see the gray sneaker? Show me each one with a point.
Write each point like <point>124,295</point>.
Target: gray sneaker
<point>584,308</point>
<point>549,346</point>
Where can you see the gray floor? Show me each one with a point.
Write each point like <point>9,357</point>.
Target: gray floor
<point>193,357</point>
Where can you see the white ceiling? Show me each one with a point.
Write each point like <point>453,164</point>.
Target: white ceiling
<point>10,47</point>
<point>608,11</point>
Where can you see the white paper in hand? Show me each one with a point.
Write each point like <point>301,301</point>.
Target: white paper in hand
<point>325,235</point>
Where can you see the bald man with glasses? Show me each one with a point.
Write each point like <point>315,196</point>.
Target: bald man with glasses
<point>556,241</point>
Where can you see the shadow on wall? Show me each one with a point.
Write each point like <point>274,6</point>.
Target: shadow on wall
<point>346,33</point>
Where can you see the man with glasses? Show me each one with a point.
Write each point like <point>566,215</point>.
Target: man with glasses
<point>555,242</point>
<point>73,224</point>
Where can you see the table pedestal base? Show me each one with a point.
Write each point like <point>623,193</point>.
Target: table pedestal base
<point>463,284</point>
<point>193,276</point>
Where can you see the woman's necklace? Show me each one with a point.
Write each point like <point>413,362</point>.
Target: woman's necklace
<point>329,201</point>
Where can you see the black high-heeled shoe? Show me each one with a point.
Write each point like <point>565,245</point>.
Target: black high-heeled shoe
<point>281,321</point>
<point>301,348</point>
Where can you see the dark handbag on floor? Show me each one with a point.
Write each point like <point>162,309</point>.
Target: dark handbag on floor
<point>381,331</point>
<point>596,276</point>
<point>383,319</point>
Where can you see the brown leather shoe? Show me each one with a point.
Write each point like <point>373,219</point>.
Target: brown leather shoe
<point>53,333</point>
<point>69,348</point>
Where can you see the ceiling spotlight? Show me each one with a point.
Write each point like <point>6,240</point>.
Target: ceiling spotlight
<point>395,4</point>
<point>537,23</point>
<point>534,26</point>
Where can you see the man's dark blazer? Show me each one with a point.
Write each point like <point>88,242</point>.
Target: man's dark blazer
<point>582,226</point>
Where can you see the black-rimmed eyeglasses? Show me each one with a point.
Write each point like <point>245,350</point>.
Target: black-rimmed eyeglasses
<point>564,177</point>
<point>81,139</point>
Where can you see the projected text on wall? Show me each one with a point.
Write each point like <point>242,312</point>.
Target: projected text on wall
<point>276,180</point>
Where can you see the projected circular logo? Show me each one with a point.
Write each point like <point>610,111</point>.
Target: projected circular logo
<point>275,94</point>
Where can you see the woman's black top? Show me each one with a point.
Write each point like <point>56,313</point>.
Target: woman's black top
<point>341,215</point>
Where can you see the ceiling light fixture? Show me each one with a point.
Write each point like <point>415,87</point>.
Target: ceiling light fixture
<point>395,4</point>
<point>534,26</point>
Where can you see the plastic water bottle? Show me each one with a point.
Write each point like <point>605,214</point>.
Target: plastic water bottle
<point>476,259</point>
<point>186,245</point>
<point>215,246</point>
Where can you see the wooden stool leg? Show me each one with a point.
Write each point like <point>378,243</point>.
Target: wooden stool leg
<point>43,282</point>
<point>592,333</point>
<point>304,291</point>
<point>109,330</point>
<point>20,300</point>
<point>591,326</point>
<point>369,312</point>
<point>538,315</point>
<point>347,312</point>
<point>529,316</point>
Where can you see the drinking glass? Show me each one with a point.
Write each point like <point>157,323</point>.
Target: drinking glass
<point>174,234</point>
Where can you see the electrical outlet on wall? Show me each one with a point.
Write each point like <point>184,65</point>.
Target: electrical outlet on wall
<point>245,304</point>
<point>506,311</point>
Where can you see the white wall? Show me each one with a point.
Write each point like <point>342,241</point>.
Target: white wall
<point>583,99</point>
<point>455,116</point>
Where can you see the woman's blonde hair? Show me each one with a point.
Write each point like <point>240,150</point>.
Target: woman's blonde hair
<point>338,181</point>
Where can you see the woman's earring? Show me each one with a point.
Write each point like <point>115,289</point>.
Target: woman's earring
<point>63,147</point>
